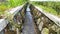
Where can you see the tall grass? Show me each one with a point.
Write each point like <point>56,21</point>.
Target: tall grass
<point>47,9</point>
<point>14,3</point>
<point>10,4</point>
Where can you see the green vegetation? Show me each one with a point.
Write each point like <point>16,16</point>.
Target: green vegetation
<point>10,4</point>
<point>50,7</point>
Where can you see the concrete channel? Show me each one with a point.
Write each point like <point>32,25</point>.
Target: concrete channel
<point>28,26</point>
<point>32,21</point>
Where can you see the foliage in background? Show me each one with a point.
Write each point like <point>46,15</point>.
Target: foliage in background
<point>51,7</point>
<point>10,4</point>
<point>14,3</point>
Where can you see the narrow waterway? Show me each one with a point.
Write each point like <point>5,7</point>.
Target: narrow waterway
<point>28,27</point>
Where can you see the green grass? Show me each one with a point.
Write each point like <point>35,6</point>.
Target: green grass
<point>10,4</point>
<point>2,9</point>
<point>14,3</point>
<point>48,10</point>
